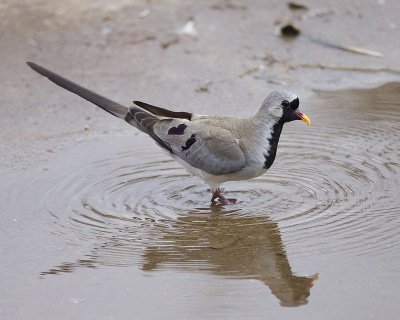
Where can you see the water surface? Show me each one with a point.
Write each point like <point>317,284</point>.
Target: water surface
<point>321,228</point>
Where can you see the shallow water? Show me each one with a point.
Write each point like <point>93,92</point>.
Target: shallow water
<point>325,215</point>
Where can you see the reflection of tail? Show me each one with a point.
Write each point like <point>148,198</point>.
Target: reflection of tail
<point>108,105</point>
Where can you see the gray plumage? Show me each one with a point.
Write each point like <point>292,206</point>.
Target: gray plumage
<point>215,148</point>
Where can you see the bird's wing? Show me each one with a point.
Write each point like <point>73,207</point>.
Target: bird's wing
<point>209,148</point>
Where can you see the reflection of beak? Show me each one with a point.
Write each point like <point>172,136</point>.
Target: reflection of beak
<point>303,117</point>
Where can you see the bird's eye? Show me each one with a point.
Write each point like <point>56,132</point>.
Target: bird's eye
<point>285,103</point>
<point>294,104</point>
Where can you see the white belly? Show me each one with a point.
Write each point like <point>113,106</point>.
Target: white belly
<point>214,181</point>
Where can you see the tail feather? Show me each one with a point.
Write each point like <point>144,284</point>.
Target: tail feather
<point>108,105</point>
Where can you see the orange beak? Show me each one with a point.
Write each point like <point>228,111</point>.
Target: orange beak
<point>303,117</point>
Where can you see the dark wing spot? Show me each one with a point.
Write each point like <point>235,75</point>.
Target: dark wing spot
<point>179,130</point>
<point>189,142</point>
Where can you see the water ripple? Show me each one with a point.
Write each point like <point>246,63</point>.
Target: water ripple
<point>332,190</point>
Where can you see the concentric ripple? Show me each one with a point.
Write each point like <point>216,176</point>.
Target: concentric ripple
<point>333,190</point>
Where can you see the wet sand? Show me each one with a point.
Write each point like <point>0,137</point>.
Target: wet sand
<point>98,223</point>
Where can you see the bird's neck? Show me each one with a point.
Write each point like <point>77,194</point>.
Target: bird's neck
<point>272,145</point>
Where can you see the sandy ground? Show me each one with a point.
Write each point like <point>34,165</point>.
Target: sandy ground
<point>212,57</point>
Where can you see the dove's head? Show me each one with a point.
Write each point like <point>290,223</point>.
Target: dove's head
<point>283,106</point>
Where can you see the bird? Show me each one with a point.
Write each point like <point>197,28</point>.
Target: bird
<point>214,148</point>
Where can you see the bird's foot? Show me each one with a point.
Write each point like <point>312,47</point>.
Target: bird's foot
<point>218,194</point>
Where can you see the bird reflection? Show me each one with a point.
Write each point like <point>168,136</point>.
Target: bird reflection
<point>221,242</point>
<point>232,246</point>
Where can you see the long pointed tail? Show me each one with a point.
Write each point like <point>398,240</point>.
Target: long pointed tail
<point>108,105</point>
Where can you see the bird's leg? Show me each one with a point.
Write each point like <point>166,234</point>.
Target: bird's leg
<point>217,194</point>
